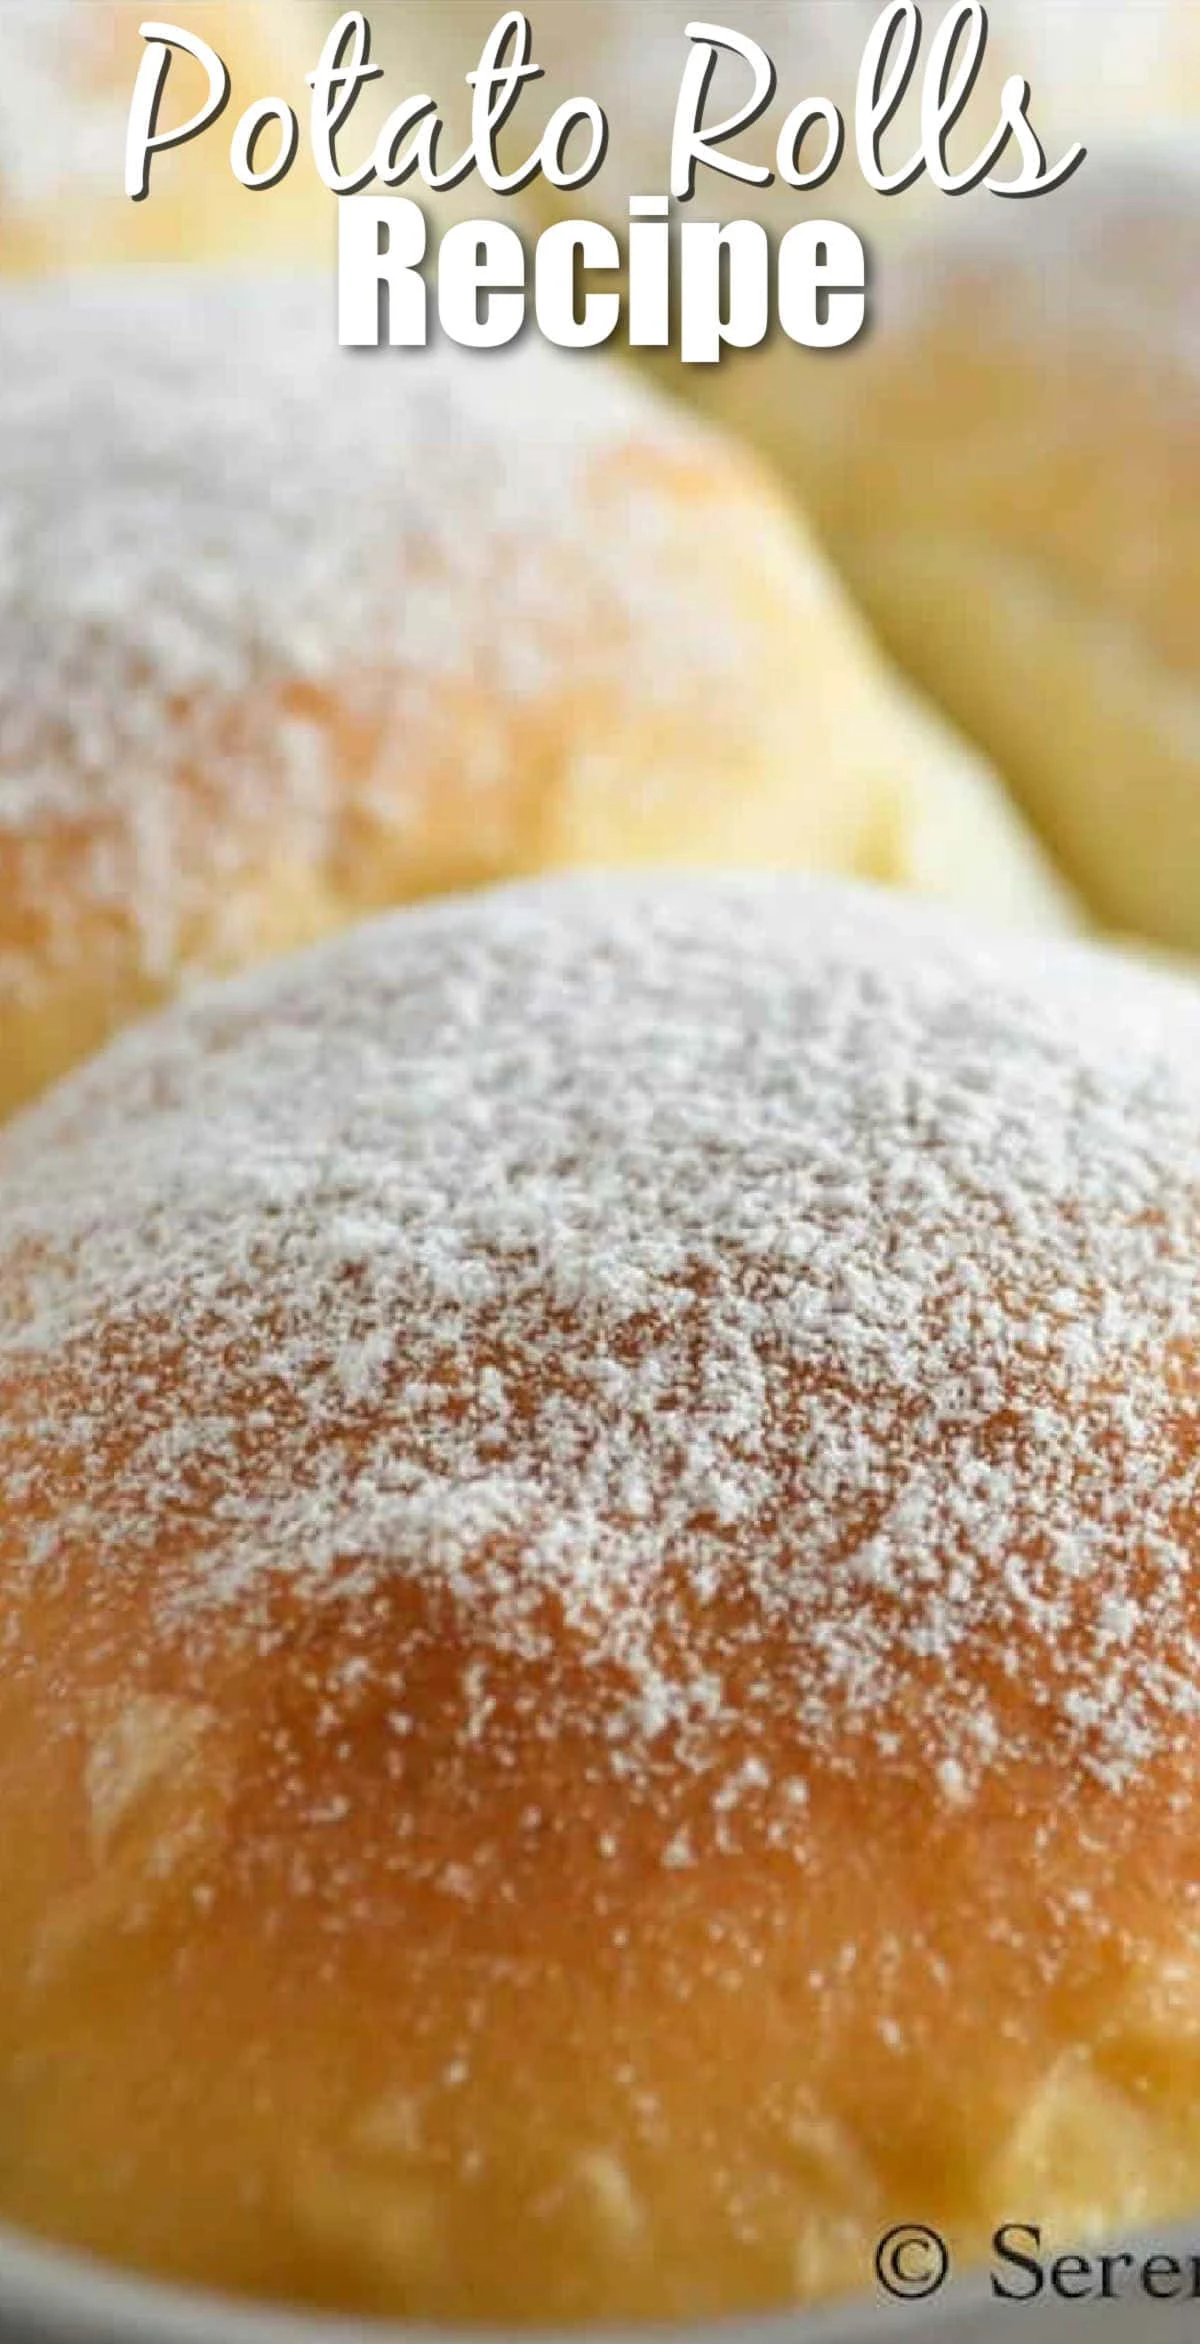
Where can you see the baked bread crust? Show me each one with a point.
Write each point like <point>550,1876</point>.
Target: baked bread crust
<point>598,1608</point>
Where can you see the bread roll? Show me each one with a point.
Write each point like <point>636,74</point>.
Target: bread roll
<point>69,68</point>
<point>599,1598</point>
<point>289,633</point>
<point>1009,474</point>
<point>1008,463</point>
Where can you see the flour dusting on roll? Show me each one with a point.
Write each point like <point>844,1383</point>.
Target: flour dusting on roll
<point>601,1526</point>
<point>288,633</point>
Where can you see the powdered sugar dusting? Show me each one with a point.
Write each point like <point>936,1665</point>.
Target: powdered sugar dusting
<point>780,1297</point>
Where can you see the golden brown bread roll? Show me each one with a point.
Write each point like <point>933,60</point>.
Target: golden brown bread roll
<point>288,633</point>
<point>599,1608</point>
<point>1009,474</point>
<point>69,73</point>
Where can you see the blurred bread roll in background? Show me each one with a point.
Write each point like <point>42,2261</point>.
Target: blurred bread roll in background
<point>1006,465</point>
<point>1008,471</point>
<point>289,633</point>
<point>602,1495</point>
<point>69,68</point>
